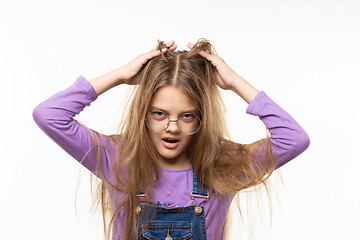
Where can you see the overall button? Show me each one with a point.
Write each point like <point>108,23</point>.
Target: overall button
<point>138,210</point>
<point>198,210</point>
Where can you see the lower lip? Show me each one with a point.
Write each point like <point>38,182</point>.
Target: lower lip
<point>170,145</point>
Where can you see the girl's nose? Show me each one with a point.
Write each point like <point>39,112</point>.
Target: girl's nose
<point>173,127</point>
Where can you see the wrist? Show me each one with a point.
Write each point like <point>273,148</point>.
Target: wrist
<point>237,83</point>
<point>244,89</point>
<point>117,76</point>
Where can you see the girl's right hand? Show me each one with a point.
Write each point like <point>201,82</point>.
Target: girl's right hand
<point>128,72</point>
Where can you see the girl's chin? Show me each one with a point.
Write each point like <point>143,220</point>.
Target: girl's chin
<point>170,155</point>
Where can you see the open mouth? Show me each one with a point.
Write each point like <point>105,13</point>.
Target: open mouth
<point>170,143</point>
<point>171,140</point>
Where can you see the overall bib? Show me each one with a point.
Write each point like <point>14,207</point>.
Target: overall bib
<point>178,223</point>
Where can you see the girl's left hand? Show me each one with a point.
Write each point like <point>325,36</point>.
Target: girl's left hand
<point>225,76</point>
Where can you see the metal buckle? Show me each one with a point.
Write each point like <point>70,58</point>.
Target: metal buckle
<point>141,195</point>
<point>199,196</point>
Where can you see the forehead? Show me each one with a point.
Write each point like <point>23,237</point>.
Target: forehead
<point>172,98</point>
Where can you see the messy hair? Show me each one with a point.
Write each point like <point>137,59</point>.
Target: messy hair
<point>223,166</point>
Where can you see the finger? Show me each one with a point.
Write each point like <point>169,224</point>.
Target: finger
<point>152,53</point>
<point>171,43</point>
<point>155,52</point>
<point>190,45</point>
<point>168,45</point>
<point>206,55</point>
<point>214,59</point>
<point>173,48</point>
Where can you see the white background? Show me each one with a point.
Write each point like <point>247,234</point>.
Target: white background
<point>304,54</point>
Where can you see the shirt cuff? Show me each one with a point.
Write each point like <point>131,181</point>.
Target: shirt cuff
<point>84,84</point>
<point>255,102</point>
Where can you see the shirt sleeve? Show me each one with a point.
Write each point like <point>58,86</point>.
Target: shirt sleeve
<point>288,138</point>
<point>55,117</point>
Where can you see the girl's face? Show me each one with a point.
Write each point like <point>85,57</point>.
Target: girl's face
<point>171,143</point>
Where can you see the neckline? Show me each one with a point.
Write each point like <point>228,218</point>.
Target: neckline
<point>177,170</point>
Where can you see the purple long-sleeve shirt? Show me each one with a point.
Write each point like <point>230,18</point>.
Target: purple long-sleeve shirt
<point>55,116</point>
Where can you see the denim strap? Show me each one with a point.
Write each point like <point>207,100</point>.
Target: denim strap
<point>199,190</point>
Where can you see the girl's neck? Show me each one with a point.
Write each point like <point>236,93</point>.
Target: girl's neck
<point>168,164</point>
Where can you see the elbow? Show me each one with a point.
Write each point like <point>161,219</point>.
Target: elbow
<point>36,114</point>
<point>299,142</point>
<point>302,142</point>
<point>39,116</point>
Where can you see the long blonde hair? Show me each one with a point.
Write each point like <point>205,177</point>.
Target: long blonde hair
<point>223,166</point>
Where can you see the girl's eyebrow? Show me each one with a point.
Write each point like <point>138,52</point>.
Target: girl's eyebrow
<point>193,111</point>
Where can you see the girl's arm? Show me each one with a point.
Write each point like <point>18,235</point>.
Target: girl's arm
<point>55,116</point>
<point>288,138</point>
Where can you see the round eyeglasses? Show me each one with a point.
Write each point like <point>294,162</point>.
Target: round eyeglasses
<point>158,121</point>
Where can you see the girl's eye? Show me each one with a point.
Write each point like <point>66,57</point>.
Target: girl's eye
<point>158,115</point>
<point>188,117</point>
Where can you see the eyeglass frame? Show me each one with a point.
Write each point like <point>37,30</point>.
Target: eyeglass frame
<point>177,123</point>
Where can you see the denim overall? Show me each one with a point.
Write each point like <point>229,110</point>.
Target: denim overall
<point>176,223</point>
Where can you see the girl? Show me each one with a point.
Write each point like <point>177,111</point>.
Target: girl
<point>171,172</point>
